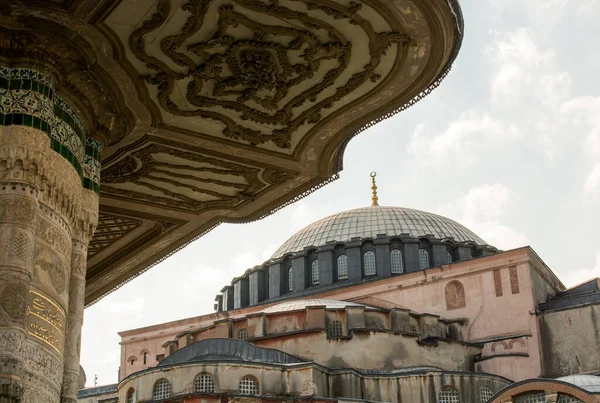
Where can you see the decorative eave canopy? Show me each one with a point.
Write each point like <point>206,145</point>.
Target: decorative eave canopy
<point>217,111</point>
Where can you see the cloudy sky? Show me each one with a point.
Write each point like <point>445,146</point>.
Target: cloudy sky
<point>508,145</point>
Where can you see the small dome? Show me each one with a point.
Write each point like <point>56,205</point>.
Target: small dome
<point>370,221</point>
<point>304,303</point>
<point>591,383</point>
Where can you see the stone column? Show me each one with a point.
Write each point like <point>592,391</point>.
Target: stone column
<point>82,233</point>
<point>49,179</point>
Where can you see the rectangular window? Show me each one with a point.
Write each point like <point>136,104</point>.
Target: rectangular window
<point>514,279</point>
<point>498,282</point>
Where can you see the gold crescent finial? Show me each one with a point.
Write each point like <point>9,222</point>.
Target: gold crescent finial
<point>374,198</point>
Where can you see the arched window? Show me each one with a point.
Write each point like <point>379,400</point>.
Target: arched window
<point>448,257</point>
<point>204,383</point>
<point>535,397</point>
<point>449,395</point>
<point>455,295</point>
<point>290,280</point>
<point>248,386</point>
<point>485,394</point>
<point>162,390</point>
<point>315,272</point>
<point>334,329</point>
<point>396,261</point>
<point>342,267</point>
<point>131,395</point>
<point>423,259</point>
<point>132,360</point>
<point>242,334</point>
<point>369,263</point>
<point>562,398</point>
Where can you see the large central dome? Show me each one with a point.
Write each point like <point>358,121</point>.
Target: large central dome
<point>370,221</point>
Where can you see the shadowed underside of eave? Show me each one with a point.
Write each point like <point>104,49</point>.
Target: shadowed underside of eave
<point>223,110</point>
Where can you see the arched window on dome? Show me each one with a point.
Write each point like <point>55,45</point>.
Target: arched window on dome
<point>131,395</point>
<point>204,383</point>
<point>248,386</point>
<point>449,258</point>
<point>162,390</point>
<point>369,263</point>
<point>290,280</point>
<point>448,395</point>
<point>485,394</point>
<point>314,268</point>
<point>423,259</point>
<point>396,261</point>
<point>342,267</point>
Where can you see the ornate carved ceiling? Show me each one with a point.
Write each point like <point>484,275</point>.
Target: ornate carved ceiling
<point>222,110</point>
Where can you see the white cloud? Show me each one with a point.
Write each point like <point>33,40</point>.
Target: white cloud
<point>591,186</point>
<point>574,277</point>
<point>460,142</point>
<point>584,112</point>
<point>482,209</point>
<point>517,59</point>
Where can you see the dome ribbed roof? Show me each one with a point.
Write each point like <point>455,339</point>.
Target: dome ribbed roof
<point>370,221</point>
<point>591,383</point>
<point>297,304</point>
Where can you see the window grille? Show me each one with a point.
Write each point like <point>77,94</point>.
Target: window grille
<point>334,329</point>
<point>485,394</point>
<point>396,261</point>
<point>369,263</point>
<point>205,383</point>
<point>315,272</point>
<point>242,334</point>
<point>248,386</point>
<point>448,257</point>
<point>342,267</point>
<point>536,397</point>
<point>131,396</point>
<point>290,280</point>
<point>162,390</point>
<point>449,395</point>
<point>568,399</point>
<point>423,259</point>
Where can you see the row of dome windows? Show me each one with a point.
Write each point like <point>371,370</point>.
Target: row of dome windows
<point>369,266</point>
<point>248,385</point>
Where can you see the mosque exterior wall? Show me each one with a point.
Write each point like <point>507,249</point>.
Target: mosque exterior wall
<point>305,380</point>
<point>503,321</point>
<point>571,340</point>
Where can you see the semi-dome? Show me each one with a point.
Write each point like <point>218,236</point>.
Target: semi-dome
<point>370,221</point>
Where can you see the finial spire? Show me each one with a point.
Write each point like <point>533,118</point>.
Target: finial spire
<point>374,198</point>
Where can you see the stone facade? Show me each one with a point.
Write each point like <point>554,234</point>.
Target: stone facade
<point>510,338</point>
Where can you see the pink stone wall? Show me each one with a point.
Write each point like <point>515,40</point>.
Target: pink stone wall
<point>495,306</point>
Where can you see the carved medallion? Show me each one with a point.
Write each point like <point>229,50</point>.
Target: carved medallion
<point>14,300</point>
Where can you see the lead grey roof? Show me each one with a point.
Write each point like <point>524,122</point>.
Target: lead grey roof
<point>228,350</point>
<point>303,303</point>
<point>370,221</point>
<point>591,383</point>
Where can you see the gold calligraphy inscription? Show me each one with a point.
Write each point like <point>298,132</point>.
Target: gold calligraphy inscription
<point>46,321</point>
